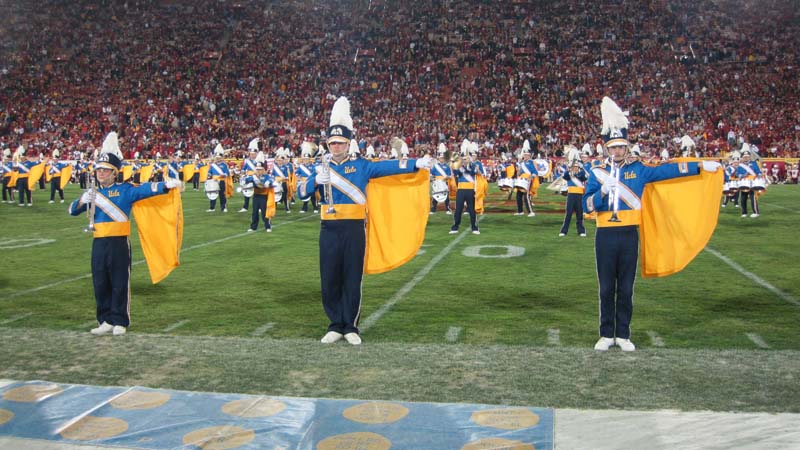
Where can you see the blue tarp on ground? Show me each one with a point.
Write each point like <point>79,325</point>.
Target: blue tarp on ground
<point>158,419</point>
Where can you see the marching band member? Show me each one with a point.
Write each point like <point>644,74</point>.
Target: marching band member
<point>748,170</point>
<point>55,171</point>
<point>174,168</point>
<point>526,171</point>
<point>111,248</point>
<point>8,172</point>
<point>198,164</point>
<point>465,180</point>
<point>25,170</point>
<point>575,177</point>
<point>441,171</point>
<point>249,169</point>
<point>618,220</point>
<point>343,241</point>
<point>303,172</point>
<point>263,188</point>
<point>280,171</point>
<point>219,171</point>
<point>795,172</point>
<point>731,179</point>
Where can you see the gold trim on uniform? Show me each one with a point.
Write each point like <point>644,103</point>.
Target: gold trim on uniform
<point>346,211</point>
<point>627,218</point>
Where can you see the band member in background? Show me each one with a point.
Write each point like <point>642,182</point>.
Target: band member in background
<point>730,178</point>
<point>8,172</point>
<point>280,171</point>
<point>111,248</point>
<point>465,180</point>
<point>303,172</point>
<point>219,172</point>
<point>25,169</point>
<point>617,237</point>
<point>343,240</point>
<point>248,169</point>
<point>441,171</point>
<point>55,168</point>
<point>748,170</point>
<point>263,188</point>
<point>525,171</point>
<point>575,177</point>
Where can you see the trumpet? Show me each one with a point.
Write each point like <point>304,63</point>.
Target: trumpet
<point>326,168</point>
<point>90,208</point>
<point>614,195</point>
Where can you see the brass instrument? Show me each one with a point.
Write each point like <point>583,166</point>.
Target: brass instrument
<point>614,195</point>
<point>326,169</point>
<point>90,209</point>
<point>455,162</point>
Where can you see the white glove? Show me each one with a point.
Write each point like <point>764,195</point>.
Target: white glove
<point>711,166</point>
<point>426,162</point>
<point>86,197</point>
<point>610,184</point>
<point>172,183</point>
<point>322,178</point>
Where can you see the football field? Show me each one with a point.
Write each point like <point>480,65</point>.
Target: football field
<point>505,317</point>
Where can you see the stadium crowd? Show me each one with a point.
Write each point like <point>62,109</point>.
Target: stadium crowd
<point>182,75</point>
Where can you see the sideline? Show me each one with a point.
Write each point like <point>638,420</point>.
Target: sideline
<point>136,263</point>
<point>376,316</point>
<point>755,278</point>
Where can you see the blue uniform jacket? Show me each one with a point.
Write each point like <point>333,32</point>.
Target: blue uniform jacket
<point>349,181</point>
<point>113,206</point>
<point>632,179</point>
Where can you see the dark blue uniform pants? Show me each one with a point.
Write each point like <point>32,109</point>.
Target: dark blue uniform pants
<point>223,201</point>
<point>22,190</point>
<point>617,252</point>
<point>342,244</point>
<point>574,205</point>
<point>111,273</point>
<point>8,193</point>
<point>55,186</point>
<point>259,211</point>
<point>468,196</point>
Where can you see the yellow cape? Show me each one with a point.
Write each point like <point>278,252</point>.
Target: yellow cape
<point>36,172</point>
<point>678,219</point>
<point>66,174</point>
<point>188,172</point>
<point>159,221</point>
<point>481,189</point>
<point>145,173</point>
<point>397,214</point>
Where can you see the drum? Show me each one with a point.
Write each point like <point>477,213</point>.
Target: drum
<point>744,185</point>
<point>522,184</point>
<point>542,167</point>
<point>726,188</point>
<point>247,189</point>
<point>212,189</point>
<point>278,192</point>
<point>565,190</point>
<point>505,184</point>
<point>439,190</point>
<point>759,184</point>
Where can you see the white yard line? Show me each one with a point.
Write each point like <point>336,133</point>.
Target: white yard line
<point>262,329</point>
<point>175,326</point>
<point>370,321</point>
<point>452,334</point>
<point>16,318</point>
<point>772,205</point>
<point>554,337</point>
<point>755,278</point>
<point>136,263</point>
<point>758,340</point>
<point>655,339</point>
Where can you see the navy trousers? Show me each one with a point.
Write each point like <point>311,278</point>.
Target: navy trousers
<point>55,186</point>
<point>22,190</point>
<point>342,244</point>
<point>223,201</point>
<point>259,209</point>
<point>617,253</point>
<point>111,276</point>
<point>574,206</point>
<point>468,196</point>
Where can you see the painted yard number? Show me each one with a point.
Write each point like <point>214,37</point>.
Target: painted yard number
<point>493,251</point>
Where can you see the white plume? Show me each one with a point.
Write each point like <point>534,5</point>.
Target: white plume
<point>370,151</point>
<point>218,150</point>
<point>253,145</point>
<point>442,148</point>
<point>465,147</point>
<point>340,114</point>
<point>111,145</point>
<point>613,117</point>
<point>587,149</point>
<point>599,149</point>
<point>260,158</point>
<point>354,150</point>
